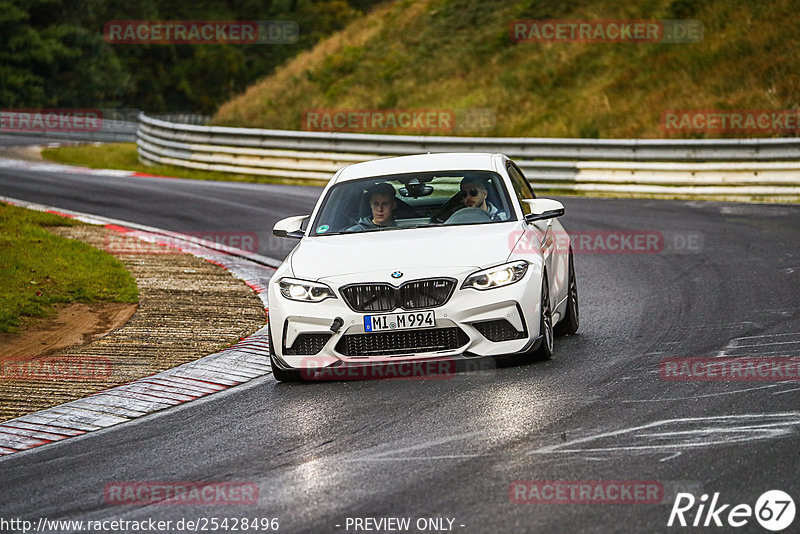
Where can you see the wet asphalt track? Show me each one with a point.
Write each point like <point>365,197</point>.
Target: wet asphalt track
<point>450,448</point>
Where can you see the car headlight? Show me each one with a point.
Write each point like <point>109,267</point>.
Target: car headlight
<point>499,276</point>
<point>305,290</point>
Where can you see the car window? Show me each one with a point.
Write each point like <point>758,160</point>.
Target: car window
<point>522,187</point>
<point>396,202</point>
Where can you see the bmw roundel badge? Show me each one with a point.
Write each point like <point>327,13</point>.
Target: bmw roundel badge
<point>397,274</point>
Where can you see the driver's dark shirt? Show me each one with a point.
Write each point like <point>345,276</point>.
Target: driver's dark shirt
<point>365,223</point>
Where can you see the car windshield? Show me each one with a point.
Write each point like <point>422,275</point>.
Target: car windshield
<point>414,200</point>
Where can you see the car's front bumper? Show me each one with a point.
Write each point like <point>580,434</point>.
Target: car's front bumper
<point>303,338</point>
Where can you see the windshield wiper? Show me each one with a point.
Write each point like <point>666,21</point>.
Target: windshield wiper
<point>364,231</point>
<point>426,225</point>
<point>380,229</point>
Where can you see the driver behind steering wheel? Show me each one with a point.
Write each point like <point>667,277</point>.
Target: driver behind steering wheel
<point>474,191</point>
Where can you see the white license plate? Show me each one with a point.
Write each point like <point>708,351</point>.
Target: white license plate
<point>399,321</point>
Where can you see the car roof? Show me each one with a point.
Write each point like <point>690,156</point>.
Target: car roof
<point>451,161</point>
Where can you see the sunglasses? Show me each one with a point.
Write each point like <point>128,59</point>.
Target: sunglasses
<point>471,192</point>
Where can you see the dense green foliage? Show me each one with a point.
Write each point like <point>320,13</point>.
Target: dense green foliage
<point>52,52</point>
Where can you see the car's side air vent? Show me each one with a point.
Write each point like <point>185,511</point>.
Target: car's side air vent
<point>307,344</point>
<point>498,330</point>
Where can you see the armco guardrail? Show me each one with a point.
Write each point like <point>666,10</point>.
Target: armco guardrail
<point>101,127</point>
<point>726,168</point>
<point>110,126</point>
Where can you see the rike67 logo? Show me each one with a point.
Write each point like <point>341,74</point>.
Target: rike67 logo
<point>774,510</point>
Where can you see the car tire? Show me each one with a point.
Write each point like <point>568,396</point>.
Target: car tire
<point>280,374</point>
<point>545,348</point>
<point>569,324</point>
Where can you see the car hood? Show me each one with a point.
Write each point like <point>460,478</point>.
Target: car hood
<point>465,246</point>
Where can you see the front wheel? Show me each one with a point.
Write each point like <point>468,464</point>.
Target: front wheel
<point>569,324</point>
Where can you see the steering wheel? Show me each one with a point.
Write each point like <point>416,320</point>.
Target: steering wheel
<point>449,207</point>
<point>469,215</point>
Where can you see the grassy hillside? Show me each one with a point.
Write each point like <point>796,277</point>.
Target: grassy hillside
<point>457,54</point>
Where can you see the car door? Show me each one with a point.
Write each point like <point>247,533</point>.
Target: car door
<point>554,243</point>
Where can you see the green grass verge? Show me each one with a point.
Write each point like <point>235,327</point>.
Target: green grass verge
<point>41,269</point>
<point>123,156</point>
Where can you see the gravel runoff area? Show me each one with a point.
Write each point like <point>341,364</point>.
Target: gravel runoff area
<point>188,308</point>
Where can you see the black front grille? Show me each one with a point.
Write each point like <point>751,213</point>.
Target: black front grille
<point>498,330</point>
<point>369,297</point>
<point>307,344</point>
<point>402,342</point>
<point>414,295</point>
<point>421,294</point>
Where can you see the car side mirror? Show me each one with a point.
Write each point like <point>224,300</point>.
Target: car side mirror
<point>290,227</point>
<point>543,208</point>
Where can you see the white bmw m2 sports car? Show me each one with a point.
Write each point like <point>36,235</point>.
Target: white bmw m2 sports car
<point>419,258</point>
